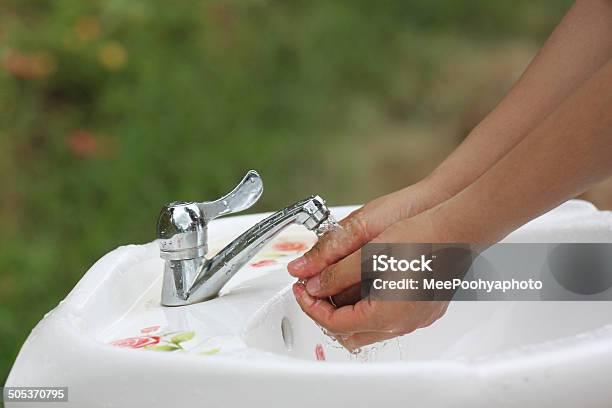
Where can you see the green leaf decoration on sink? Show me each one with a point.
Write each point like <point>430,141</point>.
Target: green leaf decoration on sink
<point>210,352</point>
<point>179,338</point>
<point>163,347</point>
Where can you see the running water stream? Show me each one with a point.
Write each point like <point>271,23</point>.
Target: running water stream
<point>327,225</point>
<point>363,354</point>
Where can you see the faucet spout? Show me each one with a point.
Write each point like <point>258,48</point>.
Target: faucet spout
<point>199,279</point>
<point>217,271</point>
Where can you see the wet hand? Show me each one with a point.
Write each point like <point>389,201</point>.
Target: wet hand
<point>361,226</point>
<point>367,321</point>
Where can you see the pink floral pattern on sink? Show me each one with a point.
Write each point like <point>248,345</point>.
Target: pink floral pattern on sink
<point>280,251</point>
<point>136,342</point>
<point>162,341</point>
<point>151,329</point>
<point>157,338</point>
<point>165,341</point>
<point>263,262</point>
<point>319,352</point>
<point>290,246</point>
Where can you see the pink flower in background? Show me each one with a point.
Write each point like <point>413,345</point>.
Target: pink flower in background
<point>136,342</point>
<point>28,66</point>
<point>83,144</point>
<point>86,145</point>
<point>290,246</point>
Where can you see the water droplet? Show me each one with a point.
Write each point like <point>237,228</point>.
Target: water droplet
<point>327,225</point>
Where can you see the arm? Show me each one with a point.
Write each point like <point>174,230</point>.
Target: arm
<point>557,140</point>
<point>570,150</point>
<point>576,49</point>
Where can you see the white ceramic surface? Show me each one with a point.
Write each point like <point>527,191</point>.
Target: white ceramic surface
<point>253,346</point>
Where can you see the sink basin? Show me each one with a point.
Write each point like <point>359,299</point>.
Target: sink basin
<point>112,343</point>
<point>470,331</point>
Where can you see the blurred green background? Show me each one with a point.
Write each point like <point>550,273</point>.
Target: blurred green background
<point>109,109</point>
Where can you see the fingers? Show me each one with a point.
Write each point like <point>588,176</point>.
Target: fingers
<point>358,228</point>
<point>337,277</point>
<point>333,266</point>
<point>348,296</point>
<point>332,246</point>
<point>344,320</point>
<point>357,340</point>
<point>366,322</point>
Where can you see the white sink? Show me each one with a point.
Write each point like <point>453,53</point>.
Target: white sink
<point>112,343</point>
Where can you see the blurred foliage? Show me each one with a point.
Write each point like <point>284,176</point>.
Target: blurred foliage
<point>108,109</point>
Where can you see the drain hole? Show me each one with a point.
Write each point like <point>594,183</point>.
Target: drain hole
<point>287,333</point>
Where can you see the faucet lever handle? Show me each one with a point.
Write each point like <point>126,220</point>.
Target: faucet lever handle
<point>243,196</point>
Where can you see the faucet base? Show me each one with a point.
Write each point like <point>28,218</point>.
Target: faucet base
<point>178,278</point>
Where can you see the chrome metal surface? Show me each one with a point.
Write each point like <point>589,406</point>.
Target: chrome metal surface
<point>190,277</point>
<point>182,226</point>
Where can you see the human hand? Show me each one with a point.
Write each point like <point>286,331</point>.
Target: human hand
<point>363,225</point>
<point>367,321</point>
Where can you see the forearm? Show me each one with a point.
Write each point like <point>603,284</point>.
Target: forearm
<point>578,47</point>
<point>570,150</point>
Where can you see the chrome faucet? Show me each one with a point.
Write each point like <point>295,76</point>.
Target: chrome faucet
<point>182,232</point>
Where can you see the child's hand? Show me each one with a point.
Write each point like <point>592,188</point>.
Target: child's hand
<point>362,226</point>
<point>367,321</point>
